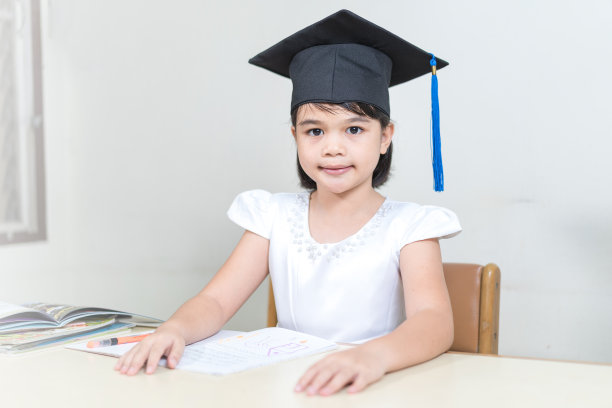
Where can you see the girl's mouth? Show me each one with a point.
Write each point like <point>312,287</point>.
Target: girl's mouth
<point>335,171</point>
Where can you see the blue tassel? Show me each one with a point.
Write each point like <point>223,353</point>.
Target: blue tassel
<point>436,149</point>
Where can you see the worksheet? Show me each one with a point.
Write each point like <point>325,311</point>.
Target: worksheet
<point>228,352</point>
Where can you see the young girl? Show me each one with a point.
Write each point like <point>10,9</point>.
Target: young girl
<point>346,263</point>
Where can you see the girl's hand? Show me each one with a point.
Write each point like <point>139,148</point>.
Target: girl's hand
<point>356,366</point>
<point>164,342</point>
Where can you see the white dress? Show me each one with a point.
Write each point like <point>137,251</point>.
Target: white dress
<point>349,291</point>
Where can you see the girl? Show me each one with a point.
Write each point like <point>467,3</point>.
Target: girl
<point>346,263</point>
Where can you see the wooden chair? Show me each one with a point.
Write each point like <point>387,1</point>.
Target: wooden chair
<point>474,296</point>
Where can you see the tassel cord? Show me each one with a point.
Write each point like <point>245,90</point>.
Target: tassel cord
<point>436,148</point>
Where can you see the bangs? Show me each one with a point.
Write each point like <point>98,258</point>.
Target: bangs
<point>359,108</point>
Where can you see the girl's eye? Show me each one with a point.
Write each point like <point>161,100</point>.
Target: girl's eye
<point>354,130</point>
<point>315,132</point>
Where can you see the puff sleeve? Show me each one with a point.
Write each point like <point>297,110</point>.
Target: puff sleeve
<point>430,222</point>
<point>252,210</point>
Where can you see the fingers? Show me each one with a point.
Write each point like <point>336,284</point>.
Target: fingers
<point>305,380</point>
<point>354,368</point>
<point>119,362</point>
<point>125,360</point>
<point>338,381</point>
<point>325,381</point>
<point>136,359</point>
<point>153,359</point>
<point>326,377</point>
<point>359,384</point>
<point>149,352</point>
<point>314,379</point>
<point>175,354</point>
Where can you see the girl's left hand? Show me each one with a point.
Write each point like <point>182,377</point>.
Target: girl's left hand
<point>356,366</point>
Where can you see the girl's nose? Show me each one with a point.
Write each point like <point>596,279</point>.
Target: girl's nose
<point>334,145</point>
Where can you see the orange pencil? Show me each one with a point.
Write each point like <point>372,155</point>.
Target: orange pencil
<point>115,340</point>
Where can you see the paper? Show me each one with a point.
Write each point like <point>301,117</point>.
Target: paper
<point>250,350</point>
<point>229,352</point>
<point>7,309</point>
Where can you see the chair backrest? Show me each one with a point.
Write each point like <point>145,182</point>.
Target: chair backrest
<point>474,294</point>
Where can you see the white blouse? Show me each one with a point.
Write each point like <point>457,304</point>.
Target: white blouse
<point>349,291</point>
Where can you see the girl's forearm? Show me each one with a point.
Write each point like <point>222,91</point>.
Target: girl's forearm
<point>423,336</point>
<point>198,318</point>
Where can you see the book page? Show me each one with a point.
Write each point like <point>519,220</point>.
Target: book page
<point>13,313</point>
<point>250,350</point>
<point>64,314</point>
<point>8,309</point>
<point>56,312</point>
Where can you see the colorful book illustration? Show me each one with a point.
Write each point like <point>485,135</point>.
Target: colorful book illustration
<point>230,352</point>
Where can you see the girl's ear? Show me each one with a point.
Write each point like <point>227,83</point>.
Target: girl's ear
<point>386,137</point>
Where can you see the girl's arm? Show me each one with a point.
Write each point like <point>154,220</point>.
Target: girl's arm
<point>204,314</point>
<point>426,333</point>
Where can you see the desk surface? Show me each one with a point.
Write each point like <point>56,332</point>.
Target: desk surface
<point>69,378</point>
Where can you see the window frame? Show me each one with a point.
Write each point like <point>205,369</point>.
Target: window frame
<point>32,225</point>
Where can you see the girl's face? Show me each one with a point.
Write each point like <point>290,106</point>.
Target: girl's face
<point>339,150</point>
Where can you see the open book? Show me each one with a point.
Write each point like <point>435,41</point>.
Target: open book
<point>32,316</point>
<point>229,352</point>
<point>39,325</point>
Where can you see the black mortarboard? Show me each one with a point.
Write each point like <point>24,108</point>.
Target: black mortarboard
<point>346,58</point>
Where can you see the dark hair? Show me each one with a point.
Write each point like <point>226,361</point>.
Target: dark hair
<point>383,168</point>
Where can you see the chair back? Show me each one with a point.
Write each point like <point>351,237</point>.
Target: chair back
<point>474,294</point>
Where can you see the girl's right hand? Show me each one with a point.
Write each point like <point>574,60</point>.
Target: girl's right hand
<point>163,342</point>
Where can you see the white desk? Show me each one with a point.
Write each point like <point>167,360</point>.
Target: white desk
<point>66,378</point>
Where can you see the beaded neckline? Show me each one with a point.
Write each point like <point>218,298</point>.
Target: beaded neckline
<point>298,221</point>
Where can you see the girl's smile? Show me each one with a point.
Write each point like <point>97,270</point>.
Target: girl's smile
<point>336,170</point>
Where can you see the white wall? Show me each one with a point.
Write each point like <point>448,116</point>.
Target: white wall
<point>154,121</point>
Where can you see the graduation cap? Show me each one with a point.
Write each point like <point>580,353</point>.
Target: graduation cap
<point>346,58</point>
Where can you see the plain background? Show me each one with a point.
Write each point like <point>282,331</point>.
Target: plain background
<point>154,122</point>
